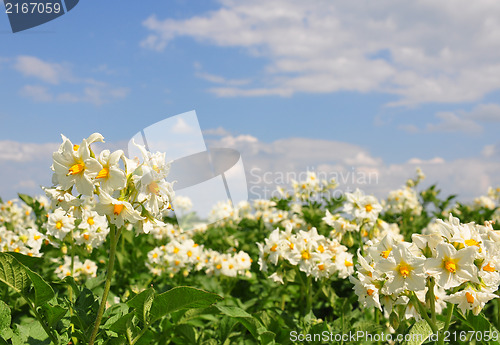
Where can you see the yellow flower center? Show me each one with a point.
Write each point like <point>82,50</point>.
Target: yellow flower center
<point>117,209</point>
<point>155,255</point>
<point>348,263</point>
<point>76,147</point>
<point>103,173</point>
<point>321,249</point>
<point>469,297</point>
<point>176,250</point>
<point>153,188</point>
<point>291,245</point>
<point>59,225</point>
<point>385,253</point>
<point>231,267</point>
<point>177,262</point>
<point>488,268</point>
<point>370,292</point>
<point>368,208</point>
<point>219,266</point>
<point>76,169</point>
<point>306,255</point>
<point>405,270</point>
<point>86,237</point>
<point>274,248</point>
<point>450,265</point>
<point>471,242</point>
<point>321,267</point>
<point>37,237</point>
<point>90,221</point>
<point>189,253</point>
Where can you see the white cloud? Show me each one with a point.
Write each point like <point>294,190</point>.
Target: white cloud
<point>22,152</point>
<point>354,166</point>
<point>52,73</point>
<point>37,93</point>
<point>60,74</point>
<point>218,132</point>
<point>450,122</point>
<point>424,51</point>
<point>182,127</point>
<point>461,120</point>
<point>485,113</point>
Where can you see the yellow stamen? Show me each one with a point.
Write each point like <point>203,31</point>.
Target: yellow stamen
<point>450,265</point>
<point>90,221</point>
<point>321,267</point>
<point>488,268</point>
<point>404,270</point>
<point>274,248</point>
<point>291,245</point>
<point>117,209</point>
<point>177,262</point>
<point>59,225</point>
<point>368,208</point>
<point>176,250</point>
<point>231,267</point>
<point>348,263</point>
<point>76,169</point>
<point>37,237</point>
<point>189,253</point>
<point>155,255</point>
<point>471,242</point>
<point>306,255</point>
<point>385,253</point>
<point>370,292</point>
<point>86,237</point>
<point>219,266</point>
<point>321,249</point>
<point>76,147</point>
<point>103,173</point>
<point>469,297</point>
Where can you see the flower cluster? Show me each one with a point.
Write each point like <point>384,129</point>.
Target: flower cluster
<point>18,231</point>
<point>310,187</point>
<point>403,200</point>
<point>77,270</point>
<point>458,261</point>
<point>186,256</point>
<point>310,252</point>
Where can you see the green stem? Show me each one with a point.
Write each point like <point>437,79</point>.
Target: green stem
<point>498,311</point>
<point>432,299</point>
<point>309,294</point>
<point>449,314</point>
<point>109,275</point>
<point>136,339</point>
<point>423,312</point>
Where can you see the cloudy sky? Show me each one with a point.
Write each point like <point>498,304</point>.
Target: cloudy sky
<point>333,86</point>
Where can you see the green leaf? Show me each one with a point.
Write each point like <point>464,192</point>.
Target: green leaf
<point>13,274</point>
<point>420,331</point>
<point>26,198</point>
<point>247,320</point>
<point>53,313</point>
<point>232,311</point>
<point>43,291</point>
<point>5,316</point>
<point>182,297</point>
<point>28,261</point>
<point>21,278</point>
<point>142,304</point>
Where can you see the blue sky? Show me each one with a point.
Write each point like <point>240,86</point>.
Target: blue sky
<point>401,83</point>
